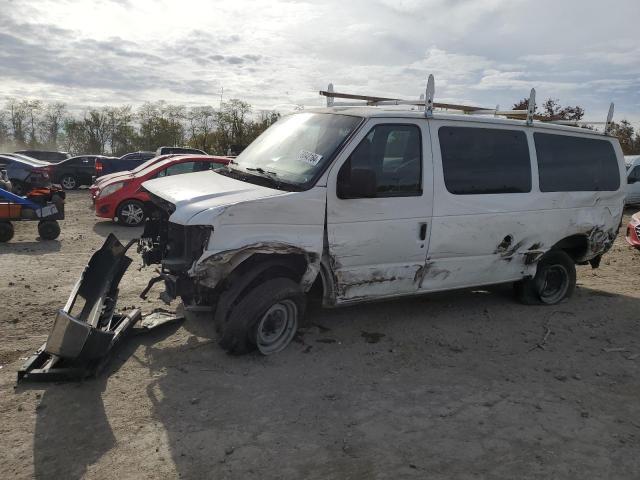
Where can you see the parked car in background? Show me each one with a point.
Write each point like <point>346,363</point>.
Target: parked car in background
<point>123,199</point>
<point>629,159</point>
<point>632,163</point>
<point>95,187</point>
<point>76,171</point>
<point>179,150</point>
<point>45,155</point>
<point>25,173</point>
<point>633,231</point>
<point>128,161</point>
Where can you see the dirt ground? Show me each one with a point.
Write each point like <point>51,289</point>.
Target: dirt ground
<point>442,386</point>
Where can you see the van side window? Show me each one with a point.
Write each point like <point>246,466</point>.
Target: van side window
<point>484,160</point>
<point>393,156</point>
<point>576,164</point>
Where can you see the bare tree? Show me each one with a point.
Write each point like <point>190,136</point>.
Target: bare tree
<point>96,130</point>
<point>203,121</point>
<point>5,130</point>
<point>52,123</point>
<point>17,117</point>
<point>552,110</point>
<point>33,109</point>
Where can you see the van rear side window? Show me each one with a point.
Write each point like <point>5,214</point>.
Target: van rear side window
<point>576,164</point>
<point>484,160</point>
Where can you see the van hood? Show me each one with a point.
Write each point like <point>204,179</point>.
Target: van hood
<point>193,193</point>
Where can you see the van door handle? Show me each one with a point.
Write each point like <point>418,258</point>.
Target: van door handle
<point>423,231</point>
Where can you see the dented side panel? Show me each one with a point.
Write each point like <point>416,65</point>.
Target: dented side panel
<point>377,246</point>
<point>292,223</point>
<point>492,238</point>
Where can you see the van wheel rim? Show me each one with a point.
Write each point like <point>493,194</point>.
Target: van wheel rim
<point>69,183</point>
<point>555,284</point>
<point>277,327</point>
<point>133,214</point>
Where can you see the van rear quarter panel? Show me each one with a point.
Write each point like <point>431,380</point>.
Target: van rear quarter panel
<point>493,238</point>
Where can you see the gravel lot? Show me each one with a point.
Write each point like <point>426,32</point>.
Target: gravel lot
<point>443,386</point>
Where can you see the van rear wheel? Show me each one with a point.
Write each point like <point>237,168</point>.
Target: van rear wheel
<point>555,280</point>
<point>267,318</point>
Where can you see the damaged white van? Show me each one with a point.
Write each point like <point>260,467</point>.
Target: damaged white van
<point>362,204</point>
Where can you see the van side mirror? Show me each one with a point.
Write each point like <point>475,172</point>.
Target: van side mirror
<point>362,184</point>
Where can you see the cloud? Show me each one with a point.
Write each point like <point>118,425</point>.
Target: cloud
<point>281,52</point>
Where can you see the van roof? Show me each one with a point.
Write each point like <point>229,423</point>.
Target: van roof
<point>382,112</point>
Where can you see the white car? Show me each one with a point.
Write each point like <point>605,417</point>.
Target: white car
<point>362,204</point>
<point>632,163</point>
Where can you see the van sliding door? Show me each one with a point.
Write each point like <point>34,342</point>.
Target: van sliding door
<point>483,183</point>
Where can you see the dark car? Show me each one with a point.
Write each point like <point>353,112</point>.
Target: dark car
<point>105,166</point>
<point>25,173</point>
<point>76,171</point>
<point>178,151</point>
<point>45,155</point>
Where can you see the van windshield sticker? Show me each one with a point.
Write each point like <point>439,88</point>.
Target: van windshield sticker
<point>309,157</point>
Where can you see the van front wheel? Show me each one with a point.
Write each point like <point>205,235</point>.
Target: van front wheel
<point>267,318</point>
<point>554,280</point>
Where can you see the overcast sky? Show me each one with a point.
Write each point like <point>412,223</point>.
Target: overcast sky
<point>277,52</point>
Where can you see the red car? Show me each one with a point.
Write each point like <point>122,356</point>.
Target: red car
<point>633,231</point>
<point>100,181</point>
<point>121,198</point>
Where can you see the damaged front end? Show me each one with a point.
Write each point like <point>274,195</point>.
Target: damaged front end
<point>175,248</point>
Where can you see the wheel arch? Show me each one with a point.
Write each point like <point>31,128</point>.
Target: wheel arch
<point>292,261</point>
<point>235,274</point>
<point>576,246</point>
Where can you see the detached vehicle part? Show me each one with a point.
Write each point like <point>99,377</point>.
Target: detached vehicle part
<point>87,328</point>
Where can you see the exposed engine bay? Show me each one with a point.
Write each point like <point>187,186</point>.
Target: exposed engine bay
<point>175,248</point>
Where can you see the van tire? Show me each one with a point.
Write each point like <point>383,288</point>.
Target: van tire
<point>248,323</point>
<point>238,282</point>
<point>555,280</point>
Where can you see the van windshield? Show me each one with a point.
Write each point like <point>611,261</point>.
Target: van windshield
<point>296,148</point>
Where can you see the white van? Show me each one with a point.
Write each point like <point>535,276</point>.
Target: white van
<point>362,204</point>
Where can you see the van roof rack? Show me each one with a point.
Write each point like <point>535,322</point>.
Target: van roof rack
<point>426,102</point>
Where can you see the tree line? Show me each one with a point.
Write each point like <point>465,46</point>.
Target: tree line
<point>116,130</point>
